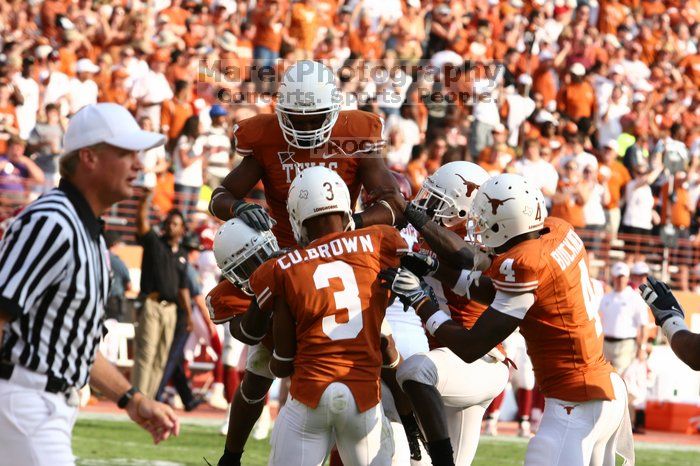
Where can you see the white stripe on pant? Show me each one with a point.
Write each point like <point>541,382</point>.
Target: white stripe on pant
<point>35,426</point>
<point>303,436</point>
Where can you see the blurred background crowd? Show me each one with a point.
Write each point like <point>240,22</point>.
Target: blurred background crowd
<point>596,101</point>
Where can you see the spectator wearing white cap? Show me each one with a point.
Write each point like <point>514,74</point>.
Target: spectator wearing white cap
<point>520,106</point>
<point>624,317</point>
<point>638,274</point>
<point>82,90</point>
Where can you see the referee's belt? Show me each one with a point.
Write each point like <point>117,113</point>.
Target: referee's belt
<point>53,384</point>
<point>617,340</point>
<point>155,296</point>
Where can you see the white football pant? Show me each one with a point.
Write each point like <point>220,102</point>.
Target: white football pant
<point>466,389</point>
<point>582,433</point>
<point>35,426</point>
<point>303,436</point>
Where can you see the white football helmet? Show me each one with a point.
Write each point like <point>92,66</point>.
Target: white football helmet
<point>308,88</point>
<point>507,206</point>
<point>240,249</point>
<point>447,194</point>
<point>316,191</point>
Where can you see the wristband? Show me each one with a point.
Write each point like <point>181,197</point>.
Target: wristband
<point>280,358</point>
<point>211,202</point>
<point>672,325</point>
<point>386,204</point>
<point>127,397</point>
<point>435,321</point>
<point>357,219</point>
<point>393,364</point>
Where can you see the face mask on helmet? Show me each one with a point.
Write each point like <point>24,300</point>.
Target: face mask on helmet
<point>244,264</point>
<point>306,130</point>
<point>438,206</point>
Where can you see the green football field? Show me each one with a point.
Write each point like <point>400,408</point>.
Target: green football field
<point>115,443</point>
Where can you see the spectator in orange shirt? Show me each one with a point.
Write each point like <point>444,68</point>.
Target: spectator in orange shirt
<point>302,29</point>
<point>364,42</point>
<point>415,170</point>
<point>612,14</point>
<point>176,111</point>
<point>571,196</point>
<point>267,18</point>
<point>677,210</point>
<point>118,92</point>
<point>9,126</point>
<point>615,175</point>
<point>436,152</point>
<point>544,80</point>
<point>495,158</point>
<point>576,99</point>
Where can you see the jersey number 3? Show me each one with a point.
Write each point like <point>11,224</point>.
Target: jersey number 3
<point>348,298</point>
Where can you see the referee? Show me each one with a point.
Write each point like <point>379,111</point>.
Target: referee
<point>54,280</point>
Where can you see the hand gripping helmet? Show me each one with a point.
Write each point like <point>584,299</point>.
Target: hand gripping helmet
<point>240,250</point>
<point>316,191</point>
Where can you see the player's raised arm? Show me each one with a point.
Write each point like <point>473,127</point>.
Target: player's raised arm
<point>669,315</point>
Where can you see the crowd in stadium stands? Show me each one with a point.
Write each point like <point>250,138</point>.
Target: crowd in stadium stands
<point>598,101</point>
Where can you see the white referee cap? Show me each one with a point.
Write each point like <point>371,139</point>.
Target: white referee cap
<point>107,123</point>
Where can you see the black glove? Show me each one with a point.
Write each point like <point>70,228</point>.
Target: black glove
<point>419,264</point>
<point>415,216</point>
<point>253,215</point>
<point>410,289</point>
<point>660,299</point>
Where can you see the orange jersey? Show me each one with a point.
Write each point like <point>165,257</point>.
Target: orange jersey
<point>261,137</point>
<point>334,296</point>
<point>226,301</point>
<point>562,330</point>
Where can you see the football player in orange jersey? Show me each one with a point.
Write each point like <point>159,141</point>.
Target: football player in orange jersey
<point>328,313</point>
<point>308,130</point>
<point>239,250</point>
<point>446,196</point>
<point>538,280</point>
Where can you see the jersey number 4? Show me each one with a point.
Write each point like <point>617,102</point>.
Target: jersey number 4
<point>348,298</point>
<point>589,297</point>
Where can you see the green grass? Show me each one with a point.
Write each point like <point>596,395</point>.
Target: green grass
<point>116,443</point>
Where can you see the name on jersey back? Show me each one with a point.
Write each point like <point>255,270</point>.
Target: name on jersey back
<point>337,247</point>
<point>568,250</point>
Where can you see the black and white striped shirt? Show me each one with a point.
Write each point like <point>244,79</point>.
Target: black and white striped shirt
<point>54,281</point>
